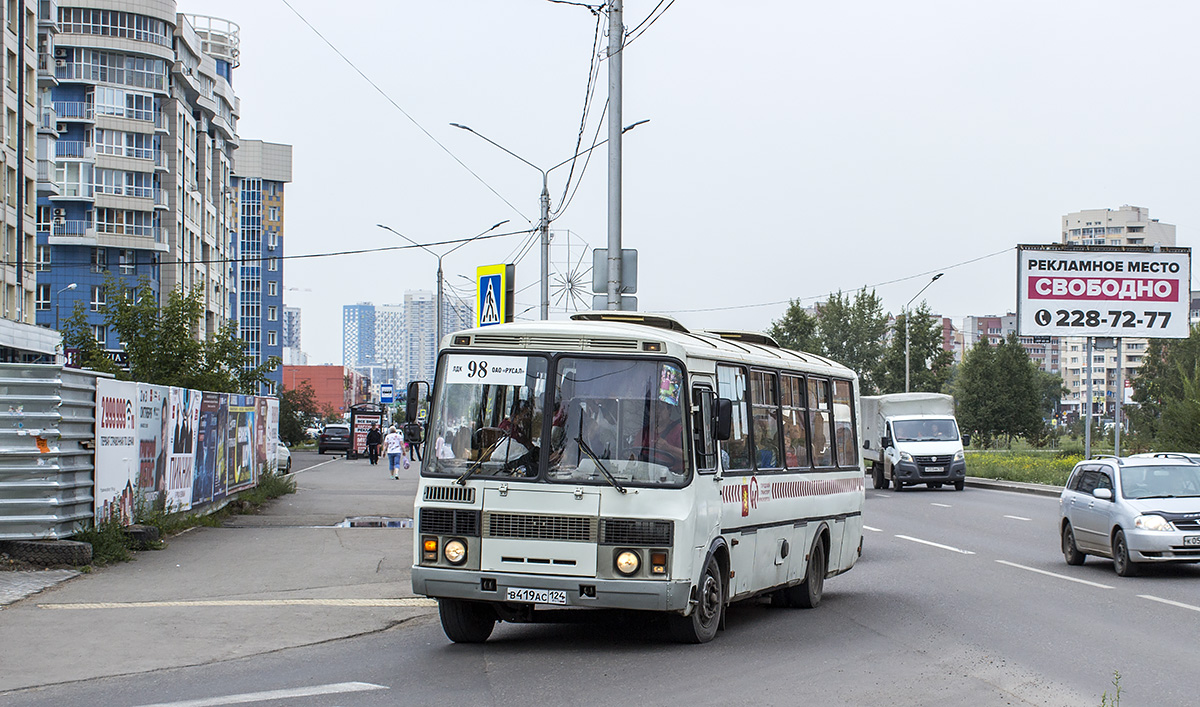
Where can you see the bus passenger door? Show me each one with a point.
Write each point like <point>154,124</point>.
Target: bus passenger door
<point>707,484</point>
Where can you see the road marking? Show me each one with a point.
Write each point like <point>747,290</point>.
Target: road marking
<point>406,602</point>
<point>938,545</point>
<point>331,689</point>
<point>941,505</point>
<point>1169,602</point>
<point>1055,575</point>
<point>314,466</point>
<point>1018,517</point>
<point>873,530</point>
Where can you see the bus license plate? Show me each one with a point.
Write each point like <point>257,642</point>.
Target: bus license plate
<point>1191,540</point>
<point>537,596</point>
<point>935,469</point>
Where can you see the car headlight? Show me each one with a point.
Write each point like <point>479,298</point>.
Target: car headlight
<point>905,457</point>
<point>627,562</point>
<point>455,552</point>
<point>959,456</point>
<point>1152,523</point>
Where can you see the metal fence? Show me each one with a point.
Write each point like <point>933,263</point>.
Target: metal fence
<point>47,424</point>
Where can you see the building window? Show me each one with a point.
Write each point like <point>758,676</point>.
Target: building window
<point>273,264</point>
<point>272,288</point>
<point>43,258</point>
<point>97,297</point>
<point>272,240</point>
<point>43,298</point>
<point>271,338</point>
<point>128,261</point>
<point>272,314</point>
<point>273,213</point>
<point>100,333</point>
<point>99,260</point>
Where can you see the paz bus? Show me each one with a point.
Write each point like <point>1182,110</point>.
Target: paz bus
<point>620,461</point>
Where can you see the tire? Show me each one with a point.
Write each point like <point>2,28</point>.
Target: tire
<point>320,450</point>
<point>51,552</point>
<point>1124,566</point>
<point>958,485</point>
<point>899,484</point>
<point>466,621</point>
<point>807,594</point>
<point>877,477</point>
<point>1070,551</point>
<point>701,625</point>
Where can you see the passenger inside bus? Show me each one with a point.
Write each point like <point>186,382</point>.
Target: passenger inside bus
<point>660,440</point>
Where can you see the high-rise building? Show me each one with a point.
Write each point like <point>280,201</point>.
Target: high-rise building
<point>138,129</point>
<point>293,354</point>
<point>358,335</point>
<point>261,169</point>
<point>1126,226</point>
<point>420,332</point>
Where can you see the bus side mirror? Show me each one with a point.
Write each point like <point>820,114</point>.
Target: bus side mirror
<point>723,424</point>
<point>412,402</point>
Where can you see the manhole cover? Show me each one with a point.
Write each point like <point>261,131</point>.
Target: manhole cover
<point>375,522</point>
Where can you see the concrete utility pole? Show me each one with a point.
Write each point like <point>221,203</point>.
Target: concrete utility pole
<point>616,42</point>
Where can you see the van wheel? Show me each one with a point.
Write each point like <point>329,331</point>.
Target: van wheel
<point>899,485</point>
<point>701,625</point>
<point>466,621</point>
<point>958,485</point>
<point>807,594</point>
<point>880,481</point>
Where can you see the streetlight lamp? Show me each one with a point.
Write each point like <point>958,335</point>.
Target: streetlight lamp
<point>543,226</point>
<point>907,316</point>
<point>56,301</point>
<point>438,304</point>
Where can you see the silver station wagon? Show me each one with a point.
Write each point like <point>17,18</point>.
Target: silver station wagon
<point>1136,510</point>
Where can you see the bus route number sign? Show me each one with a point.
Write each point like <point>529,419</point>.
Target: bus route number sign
<point>482,368</point>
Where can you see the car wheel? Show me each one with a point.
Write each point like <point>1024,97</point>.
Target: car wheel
<point>1070,551</point>
<point>701,625</point>
<point>1124,566</point>
<point>466,621</point>
<point>320,450</point>
<point>958,485</point>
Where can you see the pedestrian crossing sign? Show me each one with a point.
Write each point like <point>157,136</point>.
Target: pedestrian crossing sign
<point>494,291</point>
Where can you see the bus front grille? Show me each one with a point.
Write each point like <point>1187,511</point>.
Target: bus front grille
<point>452,494</point>
<point>449,521</point>
<point>633,531</point>
<point>536,527</point>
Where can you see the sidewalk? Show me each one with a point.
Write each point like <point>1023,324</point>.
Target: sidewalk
<point>284,578</point>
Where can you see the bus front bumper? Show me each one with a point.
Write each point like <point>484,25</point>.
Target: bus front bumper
<point>581,592</point>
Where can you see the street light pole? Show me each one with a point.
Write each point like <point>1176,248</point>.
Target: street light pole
<point>57,301</point>
<point>438,304</point>
<point>907,316</point>
<point>543,227</point>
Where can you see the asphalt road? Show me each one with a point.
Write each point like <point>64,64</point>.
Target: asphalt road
<point>961,598</point>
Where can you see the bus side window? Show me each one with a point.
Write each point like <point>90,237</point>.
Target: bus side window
<point>702,428</point>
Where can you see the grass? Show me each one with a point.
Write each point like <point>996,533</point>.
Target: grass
<point>1029,466</point>
<point>111,544</point>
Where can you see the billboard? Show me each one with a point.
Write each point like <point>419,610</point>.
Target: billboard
<point>116,450</point>
<point>1103,291</point>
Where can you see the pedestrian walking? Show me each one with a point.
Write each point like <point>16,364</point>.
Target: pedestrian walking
<point>395,451</point>
<point>374,437</point>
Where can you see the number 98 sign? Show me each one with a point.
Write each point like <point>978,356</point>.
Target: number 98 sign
<point>1116,292</point>
<point>477,370</point>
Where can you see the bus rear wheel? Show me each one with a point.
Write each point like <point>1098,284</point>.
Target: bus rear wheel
<point>701,625</point>
<point>466,621</point>
<point>807,594</point>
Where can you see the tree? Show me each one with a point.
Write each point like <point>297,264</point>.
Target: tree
<point>296,407</point>
<point>1180,429</point>
<point>849,330</point>
<point>998,392</point>
<point>1167,368</point>
<point>929,363</point>
<point>162,345</point>
<point>797,329</point>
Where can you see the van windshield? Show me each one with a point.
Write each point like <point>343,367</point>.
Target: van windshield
<point>927,430</point>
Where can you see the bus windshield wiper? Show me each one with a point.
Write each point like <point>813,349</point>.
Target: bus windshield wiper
<point>600,465</point>
<point>462,480</point>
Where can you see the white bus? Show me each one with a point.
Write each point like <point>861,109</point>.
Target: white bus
<point>620,461</point>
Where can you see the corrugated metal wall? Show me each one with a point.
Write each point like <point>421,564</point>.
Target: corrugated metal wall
<point>47,431</point>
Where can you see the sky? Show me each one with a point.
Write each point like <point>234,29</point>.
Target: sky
<point>793,148</point>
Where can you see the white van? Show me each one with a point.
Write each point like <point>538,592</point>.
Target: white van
<point>913,438</point>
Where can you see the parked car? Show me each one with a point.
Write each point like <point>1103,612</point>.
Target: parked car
<point>1137,510</point>
<point>334,438</point>
<point>283,458</point>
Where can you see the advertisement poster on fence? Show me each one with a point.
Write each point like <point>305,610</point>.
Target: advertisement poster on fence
<point>208,449</point>
<point>273,432</point>
<point>260,435</point>
<point>241,416</point>
<point>116,450</point>
<point>153,419</point>
<point>181,460</point>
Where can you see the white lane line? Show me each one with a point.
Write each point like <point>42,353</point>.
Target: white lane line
<point>1169,602</point>
<point>1018,517</point>
<point>941,505</point>
<point>873,530</point>
<point>1054,574</point>
<point>937,545</point>
<point>314,466</point>
<point>331,689</point>
<point>405,602</point>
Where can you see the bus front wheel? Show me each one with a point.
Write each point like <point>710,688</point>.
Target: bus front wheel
<point>466,621</point>
<point>701,625</point>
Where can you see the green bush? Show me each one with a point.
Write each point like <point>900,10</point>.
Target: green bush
<point>109,543</point>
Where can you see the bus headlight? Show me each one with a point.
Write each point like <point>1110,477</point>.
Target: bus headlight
<point>455,552</point>
<point>627,562</point>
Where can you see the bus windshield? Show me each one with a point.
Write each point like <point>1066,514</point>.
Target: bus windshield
<point>620,416</point>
